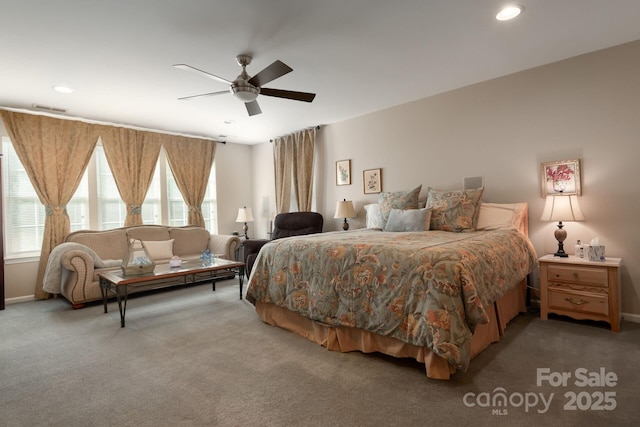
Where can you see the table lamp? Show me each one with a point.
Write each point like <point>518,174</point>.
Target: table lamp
<point>344,209</point>
<point>559,207</point>
<point>245,215</point>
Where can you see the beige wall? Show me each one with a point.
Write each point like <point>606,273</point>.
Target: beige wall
<point>234,185</point>
<point>586,107</point>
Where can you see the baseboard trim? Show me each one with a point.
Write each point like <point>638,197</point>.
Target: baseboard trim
<point>16,300</point>
<point>635,318</point>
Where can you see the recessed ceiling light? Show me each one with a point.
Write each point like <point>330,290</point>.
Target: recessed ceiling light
<point>509,12</point>
<point>229,122</point>
<point>63,89</point>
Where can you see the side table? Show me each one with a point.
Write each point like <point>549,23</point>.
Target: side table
<point>581,289</point>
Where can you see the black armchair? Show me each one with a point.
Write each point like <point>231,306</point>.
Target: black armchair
<point>284,225</point>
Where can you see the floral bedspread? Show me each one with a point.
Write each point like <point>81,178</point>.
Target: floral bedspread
<point>425,288</point>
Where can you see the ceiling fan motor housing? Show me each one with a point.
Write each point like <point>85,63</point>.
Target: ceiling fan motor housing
<point>241,89</point>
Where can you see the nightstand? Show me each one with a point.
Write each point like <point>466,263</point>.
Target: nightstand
<point>581,289</point>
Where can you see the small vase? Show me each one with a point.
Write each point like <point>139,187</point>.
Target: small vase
<point>206,258</point>
<point>559,186</point>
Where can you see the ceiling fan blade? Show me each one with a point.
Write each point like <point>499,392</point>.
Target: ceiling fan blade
<point>272,72</point>
<point>253,108</point>
<point>288,94</point>
<point>202,73</point>
<point>184,98</point>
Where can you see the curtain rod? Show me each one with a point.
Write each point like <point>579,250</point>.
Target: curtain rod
<point>99,122</point>
<point>317,127</point>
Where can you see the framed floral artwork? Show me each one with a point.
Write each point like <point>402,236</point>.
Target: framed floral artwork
<point>343,172</point>
<point>561,177</point>
<point>372,180</point>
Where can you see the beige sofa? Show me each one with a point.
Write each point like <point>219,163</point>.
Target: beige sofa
<point>73,265</point>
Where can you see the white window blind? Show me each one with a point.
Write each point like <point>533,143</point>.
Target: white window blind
<point>95,205</point>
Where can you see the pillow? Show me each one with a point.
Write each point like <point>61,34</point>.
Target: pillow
<point>159,249</point>
<point>397,200</point>
<point>374,219</point>
<point>493,216</point>
<point>454,210</point>
<point>408,220</point>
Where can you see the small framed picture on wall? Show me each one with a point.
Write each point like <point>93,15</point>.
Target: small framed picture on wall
<point>561,177</point>
<point>372,180</point>
<point>343,172</point>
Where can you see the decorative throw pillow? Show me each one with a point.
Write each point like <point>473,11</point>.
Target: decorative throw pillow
<point>454,210</point>
<point>408,220</point>
<point>493,216</point>
<point>374,219</point>
<point>159,249</point>
<point>397,200</point>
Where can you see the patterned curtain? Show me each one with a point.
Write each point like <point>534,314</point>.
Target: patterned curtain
<point>132,156</point>
<point>293,164</point>
<point>303,151</point>
<point>190,160</point>
<point>282,159</point>
<point>55,154</point>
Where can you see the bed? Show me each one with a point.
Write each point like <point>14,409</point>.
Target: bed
<point>434,295</point>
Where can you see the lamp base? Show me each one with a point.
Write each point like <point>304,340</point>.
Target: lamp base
<point>560,235</point>
<point>345,225</point>
<point>245,229</point>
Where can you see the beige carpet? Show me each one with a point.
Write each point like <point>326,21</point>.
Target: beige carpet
<point>193,357</point>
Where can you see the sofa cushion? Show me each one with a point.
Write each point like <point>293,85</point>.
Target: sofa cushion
<point>148,232</point>
<point>108,244</point>
<point>189,240</point>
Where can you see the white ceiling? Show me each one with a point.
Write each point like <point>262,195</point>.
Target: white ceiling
<point>358,56</point>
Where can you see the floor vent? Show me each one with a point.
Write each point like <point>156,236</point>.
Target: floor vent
<point>49,109</point>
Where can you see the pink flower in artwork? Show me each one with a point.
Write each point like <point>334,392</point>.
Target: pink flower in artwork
<point>560,173</point>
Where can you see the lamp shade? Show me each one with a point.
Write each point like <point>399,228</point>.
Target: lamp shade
<point>344,209</point>
<point>562,208</point>
<point>244,215</point>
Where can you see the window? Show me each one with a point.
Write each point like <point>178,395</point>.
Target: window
<point>23,213</point>
<point>112,211</point>
<point>178,211</point>
<point>95,205</point>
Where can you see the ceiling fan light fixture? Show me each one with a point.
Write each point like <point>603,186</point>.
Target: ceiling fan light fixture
<point>245,93</point>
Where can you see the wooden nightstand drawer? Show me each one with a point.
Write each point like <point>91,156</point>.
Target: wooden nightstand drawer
<point>582,302</point>
<point>577,274</point>
<point>581,289</point>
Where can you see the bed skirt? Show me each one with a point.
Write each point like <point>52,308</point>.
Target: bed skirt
<point>346,339</point>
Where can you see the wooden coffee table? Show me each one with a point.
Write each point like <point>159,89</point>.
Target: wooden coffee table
<point>117,283</point>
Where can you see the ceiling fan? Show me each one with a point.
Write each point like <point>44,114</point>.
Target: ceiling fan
<point>247,88</point>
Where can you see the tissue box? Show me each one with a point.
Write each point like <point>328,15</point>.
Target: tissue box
<point>595,252</point>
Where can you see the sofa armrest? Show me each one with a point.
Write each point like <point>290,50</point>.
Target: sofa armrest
<point>251,248</point>
<point>224,245</point>
<point>81,265</point>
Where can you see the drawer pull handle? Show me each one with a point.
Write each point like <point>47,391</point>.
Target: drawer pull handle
<point>576,301</point>
<point>575,274</point>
